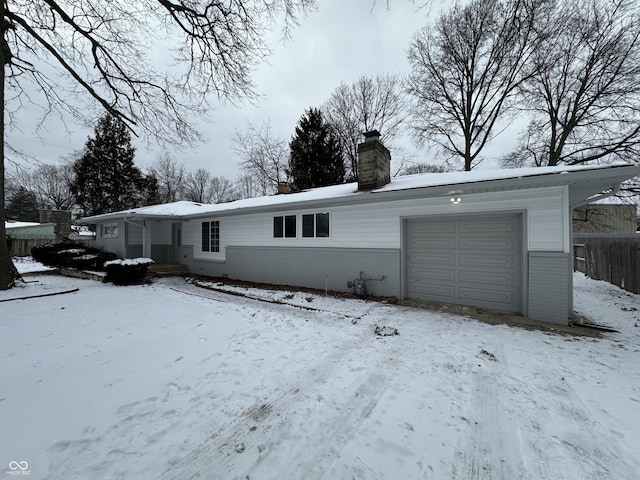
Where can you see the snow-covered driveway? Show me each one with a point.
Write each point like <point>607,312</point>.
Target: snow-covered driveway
<point>170,381</point>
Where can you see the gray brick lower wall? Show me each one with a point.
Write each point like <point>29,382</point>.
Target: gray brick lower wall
<point>549,286</point>
<point>307,267</point>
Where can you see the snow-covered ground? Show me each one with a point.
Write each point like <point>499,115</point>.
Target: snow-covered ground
<point>172,381</point>
<point>27,265</point>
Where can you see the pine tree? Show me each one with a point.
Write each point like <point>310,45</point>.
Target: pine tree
<point>23,206</point>
<point>105,177</point>
<point>316,157</point>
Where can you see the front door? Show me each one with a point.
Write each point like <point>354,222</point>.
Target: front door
<point>176,241</point>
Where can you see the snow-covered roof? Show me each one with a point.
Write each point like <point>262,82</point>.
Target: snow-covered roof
<point>350,190</point>
<point>12,224</point>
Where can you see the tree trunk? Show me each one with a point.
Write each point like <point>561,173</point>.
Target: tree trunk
<point>8,272</point>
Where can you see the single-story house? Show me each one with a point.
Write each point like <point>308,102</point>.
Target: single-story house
<point>498,239</point>
<point>23,236</point>
<point>30,230</point>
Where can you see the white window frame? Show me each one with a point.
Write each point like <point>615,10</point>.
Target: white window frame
<point>109,230</point>
<point>213,236</point>
<point>315,224</point>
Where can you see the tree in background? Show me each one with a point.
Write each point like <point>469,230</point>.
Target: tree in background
<point>101,49</point>
<point>370,103</point>
<point>170,176</point>
<point>316,156</point>
<point>264,157</point>
<point>23,206</point>
<point>105,177</point>
<point>466,69</point>
<point>584,91</point>
<point>50,183</point>
<point>222,190</point>
<point>421,168</point>
<point>202,187</point>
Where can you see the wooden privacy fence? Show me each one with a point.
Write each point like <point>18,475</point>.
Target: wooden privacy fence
<point>21,247</point>
<point>613,258</point>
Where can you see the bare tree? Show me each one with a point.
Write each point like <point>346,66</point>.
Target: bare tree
<point>222,190</point>
<point>422,168</point>
<point>465,70</point>
<point>584,93</point>
<point>170,175</point>
<point>264,156</point>
<point>197,186</point>
<point>51,184</point>
<point>100,50</point>
<point>246,186</point>
<point>369,103</point>
<point>48,182</point>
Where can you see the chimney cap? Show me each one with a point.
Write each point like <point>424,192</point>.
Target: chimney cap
<point>371,135</point>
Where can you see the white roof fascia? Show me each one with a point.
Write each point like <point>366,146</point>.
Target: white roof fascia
<point>584,182</point>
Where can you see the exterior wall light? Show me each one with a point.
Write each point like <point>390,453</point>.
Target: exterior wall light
<point>456,200</point>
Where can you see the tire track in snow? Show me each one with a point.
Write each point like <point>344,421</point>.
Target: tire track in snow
<point>499,427</point>
<point>259,438</point>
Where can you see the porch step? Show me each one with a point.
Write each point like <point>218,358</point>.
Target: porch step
<point>167,269</point>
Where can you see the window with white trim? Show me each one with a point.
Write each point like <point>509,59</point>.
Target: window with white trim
<point>284,226</point>
<point>110,230</point>
<point>211,236</point>
<point>315,225</point>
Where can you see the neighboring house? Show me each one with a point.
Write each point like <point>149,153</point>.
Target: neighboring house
<point>23,236</point>
<point>30,230</point>
<point>493,239</point>
<point>605,218</point>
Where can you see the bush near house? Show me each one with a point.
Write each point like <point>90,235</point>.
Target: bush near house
<point>72,255</point>
<point>129,271</point>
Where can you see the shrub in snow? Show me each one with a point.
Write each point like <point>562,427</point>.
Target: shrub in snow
<point>72,255</point>
<point>129,271</point>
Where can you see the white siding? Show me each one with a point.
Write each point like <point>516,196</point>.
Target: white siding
<point>378,225</point>
<point>134,234</point>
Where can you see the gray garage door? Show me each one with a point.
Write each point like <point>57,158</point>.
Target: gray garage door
<point>468,261</point>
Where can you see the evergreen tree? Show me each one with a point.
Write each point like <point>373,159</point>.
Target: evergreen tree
<point>105,177</point>
<point>23,206</point>
<point>316,157</point>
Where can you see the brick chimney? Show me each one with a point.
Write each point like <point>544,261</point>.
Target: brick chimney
<point>374,162</point>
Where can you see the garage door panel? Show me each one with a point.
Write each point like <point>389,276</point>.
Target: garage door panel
<point>477,259</point>
<point>439,292</point>
<point>499,298</point>
<point>491,227</point>
<point>448,258</point>
<point>470,261</point>
<point>433,243</point>
<point>433,228</point>
<point>480,277</point>
<point>486,243</point>
<point>434,274</point>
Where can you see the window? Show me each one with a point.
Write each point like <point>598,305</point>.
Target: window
<point>211,236</point>
<point>110,230</point>
<point>284,226</point>
<point>315,225</point>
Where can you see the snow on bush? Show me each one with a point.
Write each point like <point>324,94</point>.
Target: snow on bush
<point>71,251</point>
<point>129,261</point>
<point>128,271</point>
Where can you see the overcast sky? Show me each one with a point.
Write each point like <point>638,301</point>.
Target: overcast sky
<point>340,42</point>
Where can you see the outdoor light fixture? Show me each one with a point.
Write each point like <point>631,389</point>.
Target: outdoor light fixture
<point>456,200</point>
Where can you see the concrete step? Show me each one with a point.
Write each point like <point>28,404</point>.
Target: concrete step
<point>168,269</point>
